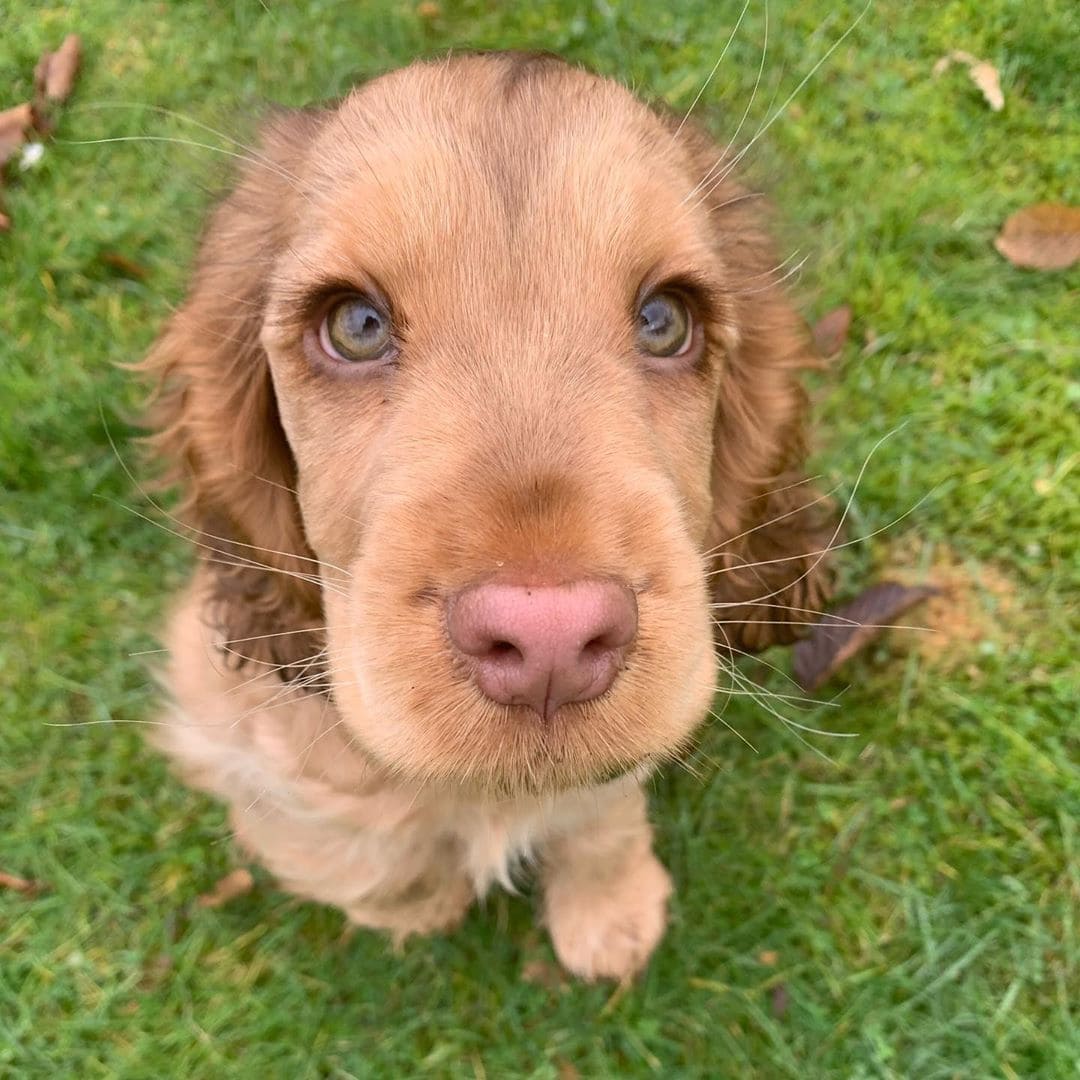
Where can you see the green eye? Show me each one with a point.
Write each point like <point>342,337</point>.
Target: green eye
<point>664,327</point>
<point>355,330</point>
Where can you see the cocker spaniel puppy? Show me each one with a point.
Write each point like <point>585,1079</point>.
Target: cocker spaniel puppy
<point>484,395</point>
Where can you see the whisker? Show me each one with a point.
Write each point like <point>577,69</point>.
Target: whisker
<point>787,101</point>
<point>763,695</point>
<point>831,546</point>
<point>191,528</point>
<point>185,118</point>
<point>239,563</point>
<point>715,68</point>
<point>279,633</point>
<point>793,698</point>
<point>773,520</point>
<point>772,284</point>
<point>742,119</point>
<point>839,622</point>
<point>192,144</point>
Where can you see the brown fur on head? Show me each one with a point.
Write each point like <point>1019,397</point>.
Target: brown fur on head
<point>509,211</point>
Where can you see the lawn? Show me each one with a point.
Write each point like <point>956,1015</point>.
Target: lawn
<point>903,903</point>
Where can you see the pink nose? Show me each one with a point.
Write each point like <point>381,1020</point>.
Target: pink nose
<point>543,645</point>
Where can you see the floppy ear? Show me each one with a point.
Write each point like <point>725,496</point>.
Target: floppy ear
<point>215,418</point>
<point>771,529</point>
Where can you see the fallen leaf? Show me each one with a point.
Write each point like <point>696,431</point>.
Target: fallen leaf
<point>768,957</point>
<point>127,267</point>
<point>780,1000</point>
<point>568,1071</point>
<point>831,331</point>
<point>232,885</point>
<point>844,632</point>
<point>55,73</point>
<point>543,973</point>
<point>982,73</point>
<point>428,9</point>
<point>5,222</point>
<point>1045,236</point>
<point>14,124</point>
<point>26,886</point>
<point>155,971</point>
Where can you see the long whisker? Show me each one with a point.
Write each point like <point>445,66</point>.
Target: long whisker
<point>191,528</point>
<point>838,622</point>
<point>240,563</point>
<point>793,698</point>
<point>832,545</point>
<point>787,101</point>
<point>193,144</point>
<point>742,119</point>
<point>719,714</point>
<point>715,68</point>
<point>161,110</point>
<point>279,633</point>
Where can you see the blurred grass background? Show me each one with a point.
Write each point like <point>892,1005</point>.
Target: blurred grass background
<point>907,909</point>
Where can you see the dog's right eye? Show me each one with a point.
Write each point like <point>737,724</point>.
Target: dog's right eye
<point>355,330</point>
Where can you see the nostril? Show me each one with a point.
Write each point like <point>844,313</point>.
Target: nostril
<point>543,646</point>
<point>505,650</point>
<point>599,645</point>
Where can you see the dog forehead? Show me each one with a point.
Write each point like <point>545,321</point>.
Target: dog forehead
<point>466,172</point>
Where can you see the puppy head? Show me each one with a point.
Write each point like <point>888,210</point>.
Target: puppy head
<point>472,375</point>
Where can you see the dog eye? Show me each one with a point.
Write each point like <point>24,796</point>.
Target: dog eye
<point>355,330</point>
<point>664,327</point>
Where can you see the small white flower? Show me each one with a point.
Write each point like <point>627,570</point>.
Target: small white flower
<point>32,153</point>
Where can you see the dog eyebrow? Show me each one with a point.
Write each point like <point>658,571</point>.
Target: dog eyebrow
<point>294,302</point>
<point>706,293</point>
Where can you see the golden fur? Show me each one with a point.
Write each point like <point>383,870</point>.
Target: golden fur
<point>511,208</point>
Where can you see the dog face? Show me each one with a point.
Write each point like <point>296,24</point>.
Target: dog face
<point>510,406</point>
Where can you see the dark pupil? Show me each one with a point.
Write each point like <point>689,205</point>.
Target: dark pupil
<point>362,323</point>
<point>657,318</point>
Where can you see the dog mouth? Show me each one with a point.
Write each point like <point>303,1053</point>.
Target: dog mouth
<point>512,660</point>
<point>431,725</point>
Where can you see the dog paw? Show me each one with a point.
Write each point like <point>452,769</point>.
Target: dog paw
<point>420,910</point>
<point>608,928</point>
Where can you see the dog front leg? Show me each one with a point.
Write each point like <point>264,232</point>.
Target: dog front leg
<point>605,892</point>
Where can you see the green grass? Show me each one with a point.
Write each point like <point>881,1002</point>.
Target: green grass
<point>921,893</point>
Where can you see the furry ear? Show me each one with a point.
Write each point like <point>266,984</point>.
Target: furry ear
<point>215,418</point>
<point>771,530</point>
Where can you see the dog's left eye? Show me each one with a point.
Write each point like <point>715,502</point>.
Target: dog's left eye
<point>355,330</point>
<point>664,326</point>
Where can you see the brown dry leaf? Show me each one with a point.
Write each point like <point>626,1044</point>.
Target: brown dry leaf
<point>545,974</point>
<point>768,957</point>
<point>121,263</point>
<point>14,124</point>
<point>1045,236</point>
<point>982,73</point>
<point>228,888</point>
<point>567,1071</point>
<point>428,9</point>
<point>844,632</point>
<point>26,886</point>
<point>55,73</point>
<point>831,331</point>
<point>155,972</point>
